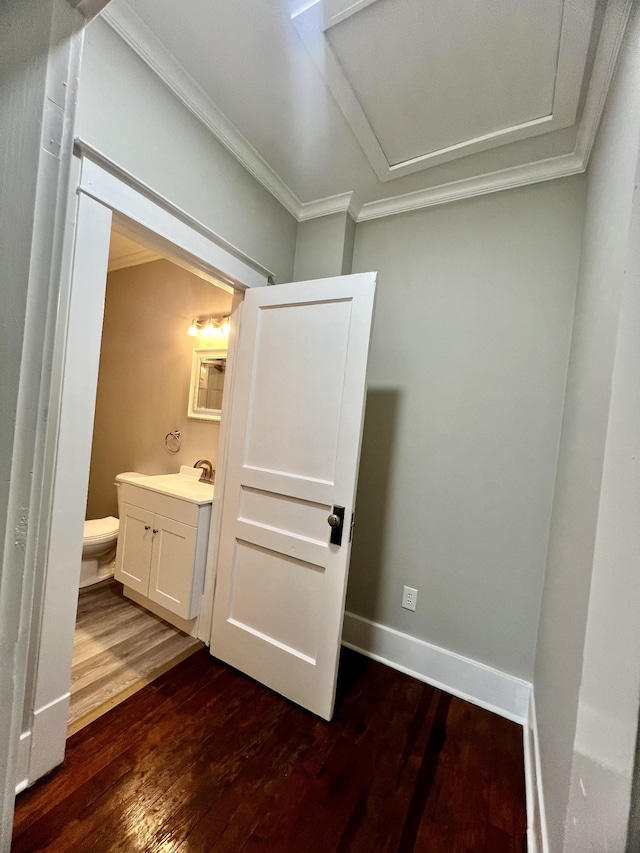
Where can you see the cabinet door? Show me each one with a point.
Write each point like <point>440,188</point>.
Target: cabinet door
<point>172,565</point>
<point>135,537</point>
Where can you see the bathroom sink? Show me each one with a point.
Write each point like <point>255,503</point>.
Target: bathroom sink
<point>184,485</point>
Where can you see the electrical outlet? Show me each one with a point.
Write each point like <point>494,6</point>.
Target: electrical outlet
<point>409,598</point>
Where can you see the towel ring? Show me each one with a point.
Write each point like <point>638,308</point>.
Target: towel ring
<point>172,438</point>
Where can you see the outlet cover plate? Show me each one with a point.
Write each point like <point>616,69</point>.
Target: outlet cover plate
<point>409,598</point>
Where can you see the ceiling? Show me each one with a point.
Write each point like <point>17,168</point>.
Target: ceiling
<point>126,252</point>
<point>379,106</point>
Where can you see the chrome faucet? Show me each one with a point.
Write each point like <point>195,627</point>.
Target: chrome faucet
<point>208,471</point>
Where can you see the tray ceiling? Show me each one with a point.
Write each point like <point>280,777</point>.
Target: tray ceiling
<point>385,105</point>
<point>420,85</point>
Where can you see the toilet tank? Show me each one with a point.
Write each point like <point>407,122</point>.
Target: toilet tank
<point>126,477</point>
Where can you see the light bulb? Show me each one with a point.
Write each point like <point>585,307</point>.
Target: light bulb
<point>209,330</point>
<point>226,326</point>
<point>192,331</point>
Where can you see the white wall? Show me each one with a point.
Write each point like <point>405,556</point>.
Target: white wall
<point>466,384</point>
<point>129,115</point>
<point>586,668</point>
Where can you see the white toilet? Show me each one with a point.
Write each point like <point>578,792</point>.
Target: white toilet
<point>100,542</point>
<point>98,550</point>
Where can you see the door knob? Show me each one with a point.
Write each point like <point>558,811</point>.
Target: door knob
<point>334,520</point>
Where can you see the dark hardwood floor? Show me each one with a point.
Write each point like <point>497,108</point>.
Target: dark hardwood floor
<point>204,759</point>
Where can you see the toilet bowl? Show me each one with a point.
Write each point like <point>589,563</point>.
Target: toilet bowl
<point>98,550</point>
<point>100,542</point>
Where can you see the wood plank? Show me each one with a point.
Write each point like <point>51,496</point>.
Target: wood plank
<point>119,647</point>
<point>206,759</point>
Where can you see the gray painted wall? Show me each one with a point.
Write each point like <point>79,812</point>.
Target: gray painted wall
<point>128,114</point>
<point>324,247</point>
<point>466,384</point>
<point>579,494</point>
<point>145,369</point>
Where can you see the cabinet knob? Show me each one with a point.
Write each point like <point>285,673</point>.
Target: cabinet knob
<point>155,530</point>
<point>147,527</point>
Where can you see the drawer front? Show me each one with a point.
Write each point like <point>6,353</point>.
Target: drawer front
<point>165,505</point>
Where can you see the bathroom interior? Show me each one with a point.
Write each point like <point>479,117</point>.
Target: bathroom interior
<point>152,474</point>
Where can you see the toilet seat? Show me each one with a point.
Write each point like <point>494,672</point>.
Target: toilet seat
<point>97,529</point>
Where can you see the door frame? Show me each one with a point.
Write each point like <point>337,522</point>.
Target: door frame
<point>103,191</point>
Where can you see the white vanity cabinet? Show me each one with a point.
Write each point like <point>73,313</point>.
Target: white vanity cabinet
<point>162,543</point>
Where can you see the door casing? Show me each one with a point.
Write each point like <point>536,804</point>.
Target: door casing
<point>103,191</point>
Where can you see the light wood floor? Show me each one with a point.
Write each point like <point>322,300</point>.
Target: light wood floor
<point>118,648</point>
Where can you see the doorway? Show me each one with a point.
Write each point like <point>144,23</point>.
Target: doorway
<point>159,320</point>
<point>101,194</point>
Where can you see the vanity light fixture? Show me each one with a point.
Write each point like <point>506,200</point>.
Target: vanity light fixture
<point>211,329</point>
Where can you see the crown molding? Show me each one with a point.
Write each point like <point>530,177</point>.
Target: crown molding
<point>503,179</point>
<point>89,9</point>
<point>342,203</point>
<point>613,28</point>
<point>139,37</point>
<point>133,259</point>
<point>130,27</point>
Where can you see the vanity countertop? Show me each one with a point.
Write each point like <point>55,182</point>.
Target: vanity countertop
<point>176,485</point>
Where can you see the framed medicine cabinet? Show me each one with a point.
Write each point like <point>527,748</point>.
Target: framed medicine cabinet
<point>208,369</point>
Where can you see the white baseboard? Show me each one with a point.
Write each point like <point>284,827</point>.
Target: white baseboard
<point>22,771</point>
<point>463,677</point>
<point>537,838</point>
<point>48,737</point>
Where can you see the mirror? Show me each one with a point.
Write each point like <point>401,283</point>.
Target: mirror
<point>207,381</point>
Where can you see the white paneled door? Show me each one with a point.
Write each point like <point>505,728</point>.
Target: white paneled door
<point>295,430</point>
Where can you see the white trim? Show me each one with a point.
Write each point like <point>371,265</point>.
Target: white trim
<point>537,835</point>
<point>609,43</point>
<point>89,8</point>
<point>48,737</point>
<point>468,679</point>
<point>24,752</point>
<point>144,42</point>
<point>337,17</point>
<point>504,179</point>
<point>344,202</point>
<point>102,190</point>
<point>133,259</point>
<point>530,785</point>
<point>50,96</point>
<point>114,187</point>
